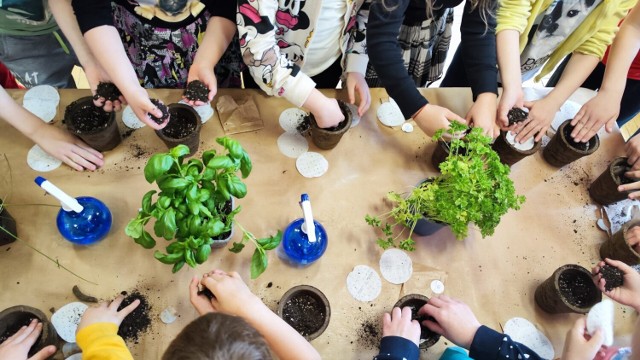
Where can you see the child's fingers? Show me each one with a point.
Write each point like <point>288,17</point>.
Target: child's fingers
<point>44,354</point>
<point>128,309</point>
<point>113,306</point>
<point>32,337</point>
<point>433,326</point>
<point>21,334</point>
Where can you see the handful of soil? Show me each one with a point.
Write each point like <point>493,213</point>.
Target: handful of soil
<point>197,91</point>
<point>86,118</point>
<point>138,321</point>
<point>516,115</point>
<point>163,108</point>
<point>109,91</point>
<point>613,277</point>
<point>577,145</point>
<point>206,292</point>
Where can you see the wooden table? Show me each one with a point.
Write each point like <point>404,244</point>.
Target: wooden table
<point>496,276</point>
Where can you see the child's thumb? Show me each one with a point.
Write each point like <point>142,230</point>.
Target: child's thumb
<point>597,338</point>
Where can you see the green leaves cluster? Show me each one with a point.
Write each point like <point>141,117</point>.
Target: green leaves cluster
<point>193,205</point>
<point>474,187</point>
<point>259,258</point>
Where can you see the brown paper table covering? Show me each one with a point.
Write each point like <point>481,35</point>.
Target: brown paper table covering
<point>496,276</point>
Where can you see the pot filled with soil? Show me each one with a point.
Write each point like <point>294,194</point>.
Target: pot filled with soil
<point>223,239</point>
<point>8,224</point>
<point>328,138</point>
<point>197,91</point>
<point>415,301</point>
<point>604,190</point>
<point>618,248</point>
<point>15,317</point>
<point>306,309</point>
<point>183,128</point>
<point>562,150</point>
<point>510,151</point>
<point>569,289</point>
<point>92,124</point>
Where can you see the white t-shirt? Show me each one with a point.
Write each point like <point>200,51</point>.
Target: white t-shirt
<point>324,48</point>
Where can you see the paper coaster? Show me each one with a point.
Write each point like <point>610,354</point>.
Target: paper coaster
<point>437,287</point>
<point>66,320</point>
<point>527,145</point>
<point>292,144</point>
<point>291,118</point>
<point>364,283</point>
<point>204,111</point>
<point>389,114</point>
<point>396,266</point>
<point>601,317</point>
<point>42,101</point>
<point>312,165</point>
<point>355,118</point>
<point>130,119</point>
<point>524,332</point>
<point>39,160</point>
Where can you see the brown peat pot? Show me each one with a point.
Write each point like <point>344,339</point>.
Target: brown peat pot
<point>306,309</point>
<point>604,190</point>
<point>440,154</point>
<point>183,128</point>
<point>617,247</point>
<point>13,318</point>
<point>508,152</point>
<point>415,301</point>
<point>92,124</point>
<point>562,150</point>
<point>8,223</point>
<point>569,289</point>
<point>328,138</point>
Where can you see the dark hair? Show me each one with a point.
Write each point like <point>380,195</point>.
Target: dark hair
<point>486,7</point>
<point>216,336</point>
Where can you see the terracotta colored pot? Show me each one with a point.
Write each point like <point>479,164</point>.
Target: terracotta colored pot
<point>617,247</point>
<point>328,138</point>
<point>560,152</point>
<point>103,138</point>
<point>318,300</point>
<point>11,319</point>
<point>604,190</point>
<point>415,301</point>
<point>508,153</point>
<point>182,113</point>
<point>569,289</point>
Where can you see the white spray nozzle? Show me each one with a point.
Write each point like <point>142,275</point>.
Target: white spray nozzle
<point>68,203</point>
<point>308,227</point>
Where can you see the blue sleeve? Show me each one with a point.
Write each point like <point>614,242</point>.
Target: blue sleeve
<point>385,54</point>
<point>489,344</point>
<point>397,348</point>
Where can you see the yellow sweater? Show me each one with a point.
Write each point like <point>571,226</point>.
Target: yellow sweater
<point>101,342</point>
<point>591,37</point>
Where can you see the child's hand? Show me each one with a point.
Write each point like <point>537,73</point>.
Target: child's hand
<point>632,149</point>
<point>232,296</point>
<point>454,319</point>
<point>595,113</point>
<point>541,114</point>
<point>18,345</point>
<point>577,347</point>
<point>433,118</point>
<point>208,78</point>
<point>329,114</point>
<point>511,97</point>
<point>201,303</point>
<point>629,293</point>
<point>483,114</point>
<point>356,82</point>
<point>95,75</point>
<point>399,323</point>
<point>108,313</point>
<point>142,107</point>
<point>66,147</point>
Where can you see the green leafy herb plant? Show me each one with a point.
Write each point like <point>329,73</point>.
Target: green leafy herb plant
<point>474,187</point>
<point>194,205</point>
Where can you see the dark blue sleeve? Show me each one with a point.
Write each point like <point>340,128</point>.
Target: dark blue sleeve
<point>489,344</point>
<point>385,54</point>
<point>478,49</point>
<point>397,348</point>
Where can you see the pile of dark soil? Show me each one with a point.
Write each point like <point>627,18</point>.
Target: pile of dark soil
<point>577,288</point>
<point>305,312</point>
<point>577,145</point>
<point>368,334</point>
<point>197,91</point>
<point>88,118</point>
<point>139,320</point>
<point>613,277</point>
<point>180,126</point>
<point>163,108</point>
<point>516,115</point>
<point>108,91</point>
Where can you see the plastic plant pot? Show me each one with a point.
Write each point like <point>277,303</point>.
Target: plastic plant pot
<point>604,190</point>
<point>299,305</point>
<point>13,318</point>
<point>617,247</point>
<point>92,124</point>
<point>328,138</point>
<point>561,150</point>
<point>569,289</point>
<point>415,301</point>
<point>183,128</point>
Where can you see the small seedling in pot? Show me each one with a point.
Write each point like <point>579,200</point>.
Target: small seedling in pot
<point>162,107</point>
<point>197,91</point>
<point>107,90</point>
<point>516,115</point>
<point>613,277</point>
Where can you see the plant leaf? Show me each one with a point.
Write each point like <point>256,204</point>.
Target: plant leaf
<point>177,266</point>
<point>168,259</point>
<point>245,165</point>
<point>259,262</point>
<point>236,187</point>
<point>203,253</point>
<point>157,165</point>
<point>189,258</point>
<point>146,201</point>
<point>134,228</point>
<point>237,247</point>
<point>145,240</point>
<point>271,242</point>
<point>180,150</point>
<point>220,162</point>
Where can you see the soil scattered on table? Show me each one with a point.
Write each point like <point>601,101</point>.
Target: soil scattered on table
<point>87,118</point>
<point>180,125</point>
<point>108,90</point>
<point>162,107</point>
<point>613,277</point>
<point>305,312</point>
<point>516,115</point>
<point>139,320</point>
<point>577,288</point>
<point>368,334</point>
<point>197,91</point>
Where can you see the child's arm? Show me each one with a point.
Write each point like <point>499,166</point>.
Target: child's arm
<point>629,293</point>
<point>18,345</point>
<point>357,60</point>
<point>97,333</point>
<point>400,336</point>
<point>605,107</point>
<point>57,142</point>
<point>233,297</point>
<point>577,347</point>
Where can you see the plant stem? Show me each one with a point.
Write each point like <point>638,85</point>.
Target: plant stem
<point>55,261</point>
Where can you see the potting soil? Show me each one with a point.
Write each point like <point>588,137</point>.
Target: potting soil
<point>23,320</point>
<point>305,312</point>
<point>613,277</point>
<point>108,91</point>
<point>197,91</point>
<point>138,321</point>
<point>516,115</point>
<point>619,171</point>
<point>577,288</point>
<point>577,145</point>
<point>88,118</point>
<point>426,335</point>
<point>163,108</point>
<point>180,126</point>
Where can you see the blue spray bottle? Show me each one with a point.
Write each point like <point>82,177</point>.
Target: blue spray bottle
<point>304,240</point>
